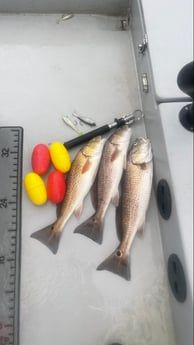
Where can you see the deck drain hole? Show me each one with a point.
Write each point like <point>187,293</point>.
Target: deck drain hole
<point>176,278</point>
<point>118,253</point>
<point>176,287</point>
<point>163,207</point>
<point>162,189</point>
<point>174,266</point>
<point>164,199</point>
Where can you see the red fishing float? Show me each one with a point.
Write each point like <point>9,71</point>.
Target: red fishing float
<point>40,159</point>
<point>56,186</point>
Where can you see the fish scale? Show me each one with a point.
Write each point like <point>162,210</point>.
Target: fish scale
<point>137,187</point>
<point>105,191</point>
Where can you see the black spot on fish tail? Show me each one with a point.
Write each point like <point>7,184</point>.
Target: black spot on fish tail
<point>48,237</point>
<point>92,228</point>
<point>117,264</point>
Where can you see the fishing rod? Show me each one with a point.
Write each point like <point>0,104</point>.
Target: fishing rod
<point>129,119</point>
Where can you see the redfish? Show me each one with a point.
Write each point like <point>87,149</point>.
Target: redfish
<point>79,181</point>
<point>133,205</point>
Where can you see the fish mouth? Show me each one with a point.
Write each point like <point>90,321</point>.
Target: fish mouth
<point>141,151</point>
<point>94,147</point>
<point>121,136</point>
<point>141,141</point>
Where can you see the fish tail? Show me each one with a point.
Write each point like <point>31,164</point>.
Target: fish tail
<point>48,237</point>
<point>92,228</point>
<point>118,264</point>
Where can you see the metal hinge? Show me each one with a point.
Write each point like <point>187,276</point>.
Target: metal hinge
<point>145,84</point>
<point>126,20</point>
<point>143,45</point>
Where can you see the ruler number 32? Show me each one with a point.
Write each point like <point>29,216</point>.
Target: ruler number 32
<point>5,152</point>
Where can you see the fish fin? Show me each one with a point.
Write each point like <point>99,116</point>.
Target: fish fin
<point>92,228</point>
<point>93,193</point>
<point>86,166</point>
<point>115,154</point>
<point>140,230</point>
<point>58,209</point>
<point>48,237</point>
<point>117,264</point>
<point>115,199</point>
<point>78,210</point>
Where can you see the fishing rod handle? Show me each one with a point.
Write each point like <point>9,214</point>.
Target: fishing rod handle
<point>87,136</point>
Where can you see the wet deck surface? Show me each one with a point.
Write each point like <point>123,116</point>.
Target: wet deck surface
<point>49,70</point>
